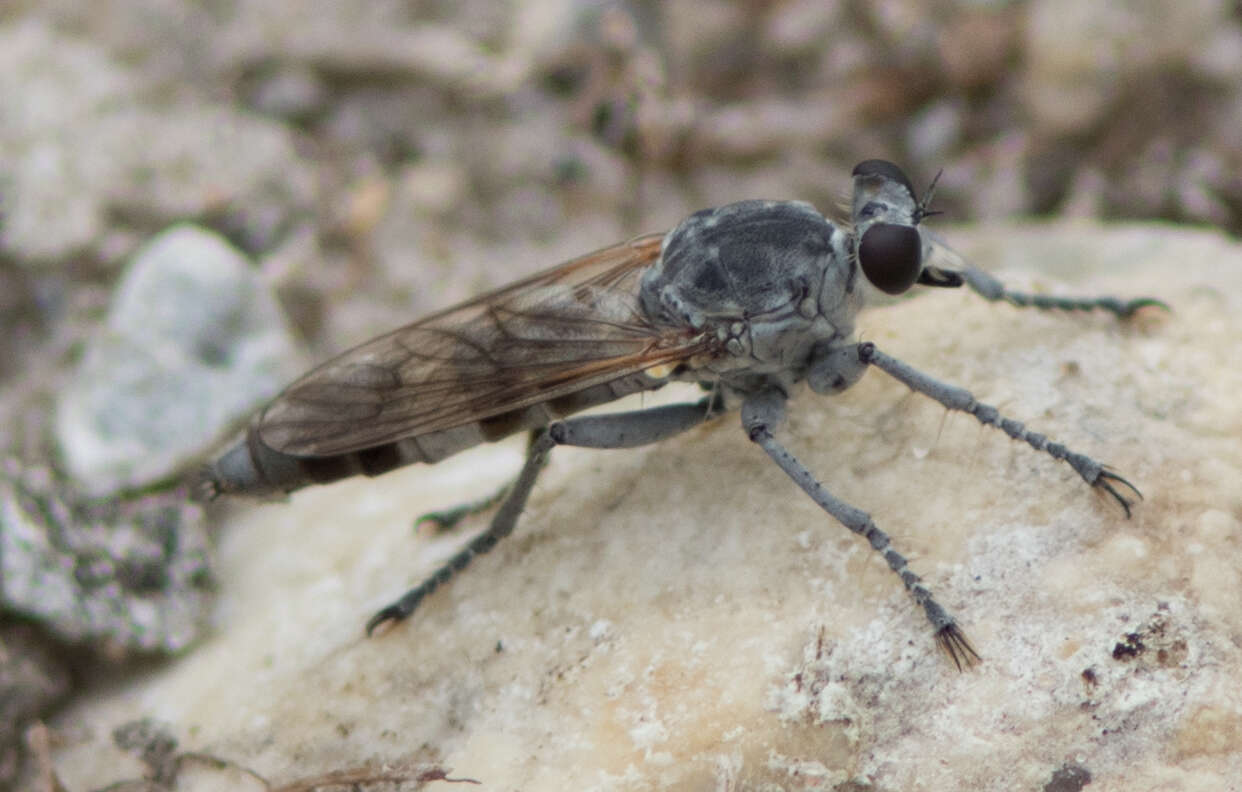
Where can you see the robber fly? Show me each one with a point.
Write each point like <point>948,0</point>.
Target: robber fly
<point>747,300</point>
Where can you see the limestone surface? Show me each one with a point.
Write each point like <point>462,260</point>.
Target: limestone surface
<point>682,617</point>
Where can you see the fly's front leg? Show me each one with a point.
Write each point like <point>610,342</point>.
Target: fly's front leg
<point>761,413</point>
<point>955,398</point>
<point>993,290</point>
<point>619,430</point>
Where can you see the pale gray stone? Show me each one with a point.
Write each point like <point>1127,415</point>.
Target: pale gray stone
<point>193,340</point>
<point>682,617</point>
<point>122,574</point>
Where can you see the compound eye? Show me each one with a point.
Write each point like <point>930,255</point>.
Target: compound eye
<point>890,256</point>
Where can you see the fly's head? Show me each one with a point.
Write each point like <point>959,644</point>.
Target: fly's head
<point>886,215</point>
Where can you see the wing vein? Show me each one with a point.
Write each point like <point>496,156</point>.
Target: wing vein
<point>550,335</point>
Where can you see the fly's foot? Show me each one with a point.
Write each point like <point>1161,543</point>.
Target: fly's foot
<point>953,641</point>
<point>447,519</point>
<point>390,615</point>
<point>1127,309</point>
<point>1105,481</point>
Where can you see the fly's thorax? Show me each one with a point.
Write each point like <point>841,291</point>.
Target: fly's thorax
<point>841,294</point>
<point>768,279</point>
<point>770,350</point>
<point>750,261</point>
<point>741,260</point>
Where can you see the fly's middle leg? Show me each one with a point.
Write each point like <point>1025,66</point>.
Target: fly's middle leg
<point>761,413</point>
<point>618,430</point>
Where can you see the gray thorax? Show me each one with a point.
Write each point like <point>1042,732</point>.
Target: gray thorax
<point>774,281</point>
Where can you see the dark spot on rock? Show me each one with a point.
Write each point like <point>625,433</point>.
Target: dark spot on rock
<point>1068,778</point>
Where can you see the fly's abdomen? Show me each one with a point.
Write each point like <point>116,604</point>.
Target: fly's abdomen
<point>252,468</point>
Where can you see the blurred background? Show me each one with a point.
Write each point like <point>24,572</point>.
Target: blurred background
<point>377,159</point>
<point>333,169</point>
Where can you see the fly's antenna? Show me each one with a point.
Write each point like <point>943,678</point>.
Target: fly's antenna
<point>921,211</point>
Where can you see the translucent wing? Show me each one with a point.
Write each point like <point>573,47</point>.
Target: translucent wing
<point>554,333</point>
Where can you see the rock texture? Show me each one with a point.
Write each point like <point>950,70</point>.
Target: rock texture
<point>682,617</point>
<point>192,339</point>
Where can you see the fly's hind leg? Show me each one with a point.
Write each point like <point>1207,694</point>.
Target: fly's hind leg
<point>993,290</point>
<point>445,520</point>
<point>619,430</point>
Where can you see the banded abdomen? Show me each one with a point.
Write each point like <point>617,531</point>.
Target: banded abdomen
<point>251,467</point>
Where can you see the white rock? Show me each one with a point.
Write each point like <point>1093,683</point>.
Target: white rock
<point>192,341</point>
<point>740,651</point>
